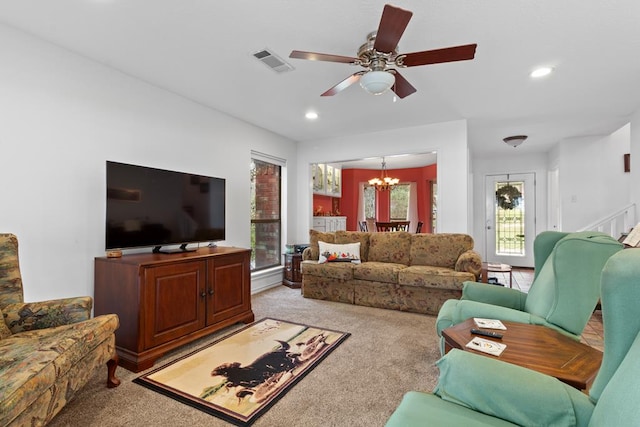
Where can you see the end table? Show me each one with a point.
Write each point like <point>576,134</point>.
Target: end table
<point>292,275</point>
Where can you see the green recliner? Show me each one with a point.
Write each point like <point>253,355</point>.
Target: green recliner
<point>475,390</point>
<point>564,292</point>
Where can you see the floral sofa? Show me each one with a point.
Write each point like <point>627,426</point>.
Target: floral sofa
<point>398,270</point>
<point>48,350</point>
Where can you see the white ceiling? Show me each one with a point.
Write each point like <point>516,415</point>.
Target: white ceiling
<point>203,50</point>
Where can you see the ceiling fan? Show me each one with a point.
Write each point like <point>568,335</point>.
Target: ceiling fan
<point>378,56</point>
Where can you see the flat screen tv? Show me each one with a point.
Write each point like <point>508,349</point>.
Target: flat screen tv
<point>148,207</point>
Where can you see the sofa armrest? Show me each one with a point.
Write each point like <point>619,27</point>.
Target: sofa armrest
<point>496,295</point>
<point>47,314</point>
<point>471,262</point>
<point>306,254</point>
<point>519,395</point>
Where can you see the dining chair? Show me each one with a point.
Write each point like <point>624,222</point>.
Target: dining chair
<point>402,225</point>
<point>363,226</point>
<point>419,227</point>
<point>385,226</point>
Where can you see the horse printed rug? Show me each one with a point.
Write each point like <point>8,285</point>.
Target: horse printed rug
<point>239,377</point>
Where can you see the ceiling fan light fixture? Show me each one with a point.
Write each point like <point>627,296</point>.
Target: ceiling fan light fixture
<point>515,140</point>
<point>377,82</point>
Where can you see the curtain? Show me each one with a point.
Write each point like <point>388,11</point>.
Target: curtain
<point>361,202</point>
<point>412,211</point>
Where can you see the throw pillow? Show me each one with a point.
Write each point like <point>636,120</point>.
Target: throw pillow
<point>330,252</point>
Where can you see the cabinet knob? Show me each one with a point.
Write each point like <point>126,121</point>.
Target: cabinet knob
<point>210,291</point>
<point>203,294</point>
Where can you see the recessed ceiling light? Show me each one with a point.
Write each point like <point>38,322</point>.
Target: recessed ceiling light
<point>541,72</point>
<point>311,115</point>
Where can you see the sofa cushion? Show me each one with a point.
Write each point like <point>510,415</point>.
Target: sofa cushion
<point>433,277</point>
<point>393,247</point>
<point>353,237</point>
<point>316,236</point>
<point>333,252</point>
<point>334,270</point>
<point>439,250</point>
<point>31,362</point>
<point>5,332</point>
<point>386,272</point>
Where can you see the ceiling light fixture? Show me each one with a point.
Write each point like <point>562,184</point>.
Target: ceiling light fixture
<point>311,115</point>
<point>377,82</point>
<point>384,182</point>
<point>515,140</point>
<point>541,72</point>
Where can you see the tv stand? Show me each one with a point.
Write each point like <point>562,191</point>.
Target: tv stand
<point>181,249</point>
<point>166,301</point>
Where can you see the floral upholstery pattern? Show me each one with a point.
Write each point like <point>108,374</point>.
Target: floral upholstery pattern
<point>48,350</point>
<point>390,247</point>
<point>403,298</point>
<point>315,237</point>
<point>319,287</point>
<point>439,250</point>
<point>10,279</point>
<point>355,237</point>
<point>434,277</point>
<point>336,270</point>
<point>386,272</point>
<point>403,271</point>
<point>5,332</point>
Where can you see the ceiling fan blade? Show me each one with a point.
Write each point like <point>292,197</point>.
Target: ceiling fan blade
<point>344,84</point>
<point>313,56</point>
<point>448,54</point>
<point>402,87</point>
<point>392,24</point>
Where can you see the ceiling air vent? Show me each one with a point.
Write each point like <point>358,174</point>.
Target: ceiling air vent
<point>273,61</point>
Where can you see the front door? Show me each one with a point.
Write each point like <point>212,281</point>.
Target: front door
<point>510,219</point>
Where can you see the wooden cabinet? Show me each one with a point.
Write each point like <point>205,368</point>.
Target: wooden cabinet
<point>167,300</point>
<point>327,179</point>
<point>329,223</point>
<point>292,273</point>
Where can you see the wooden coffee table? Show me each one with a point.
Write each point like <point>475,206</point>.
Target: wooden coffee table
<point>536,347</point>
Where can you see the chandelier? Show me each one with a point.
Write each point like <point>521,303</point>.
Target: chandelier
<point>384,182</point>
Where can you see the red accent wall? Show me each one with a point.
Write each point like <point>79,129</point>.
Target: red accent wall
<point>352,177</point>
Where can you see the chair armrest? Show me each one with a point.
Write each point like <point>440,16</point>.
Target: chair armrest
<point>496,295</point>
<point>467,309</point>
<point>471,262</point>
<point>47,314</point>
<point>518,395</point>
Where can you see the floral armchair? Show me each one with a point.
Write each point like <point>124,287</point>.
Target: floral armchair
<point>49,349</point>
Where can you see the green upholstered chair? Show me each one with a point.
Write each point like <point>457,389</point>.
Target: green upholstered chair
<point>564,292</point>
<point>475,390</point>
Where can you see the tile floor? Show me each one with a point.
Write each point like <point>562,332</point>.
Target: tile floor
<point>593,334</point>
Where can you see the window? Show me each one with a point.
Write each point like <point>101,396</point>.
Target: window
<point>399,202</point>
<point>265,214</point>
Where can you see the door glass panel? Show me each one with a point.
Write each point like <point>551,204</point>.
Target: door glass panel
<point>510,216</point>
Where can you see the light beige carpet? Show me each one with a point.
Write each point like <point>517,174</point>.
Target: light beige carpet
<point>359,384</point>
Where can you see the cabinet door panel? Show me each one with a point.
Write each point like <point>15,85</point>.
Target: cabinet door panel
<point>173,301</point>
<point>227,278</point>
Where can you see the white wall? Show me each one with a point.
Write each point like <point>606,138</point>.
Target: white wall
<point>634,190</point>
<point>448,139</point>
<point>63,116</point>
<point>592,181</point>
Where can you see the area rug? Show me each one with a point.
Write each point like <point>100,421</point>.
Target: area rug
<point>239,377</point>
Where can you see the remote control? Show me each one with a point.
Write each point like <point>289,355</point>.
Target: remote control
<point>486,333</point>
